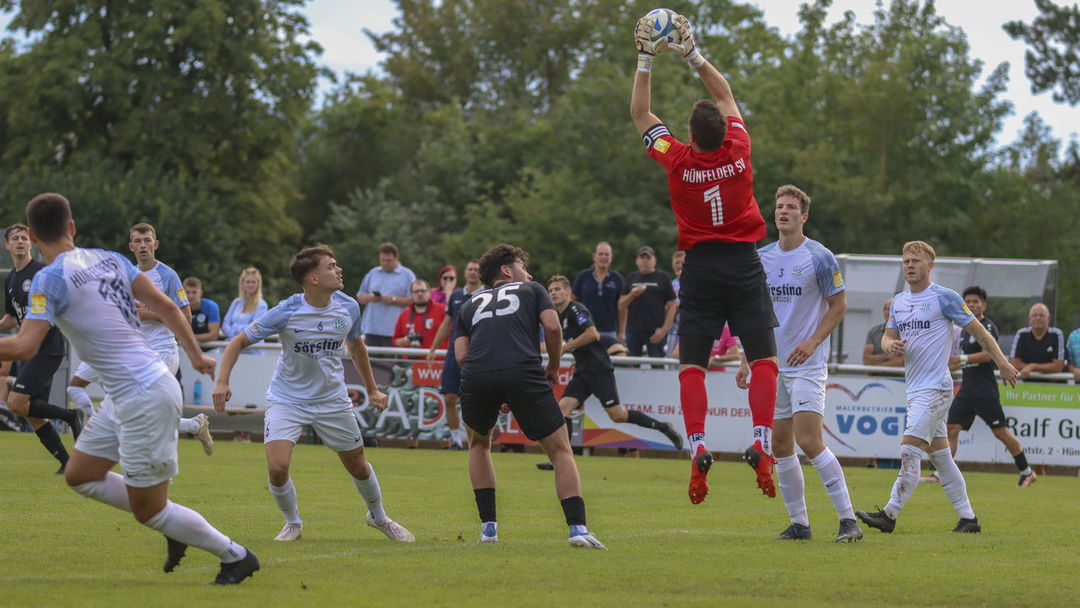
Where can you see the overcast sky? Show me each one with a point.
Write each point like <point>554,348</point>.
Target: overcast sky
<point>338,25</point>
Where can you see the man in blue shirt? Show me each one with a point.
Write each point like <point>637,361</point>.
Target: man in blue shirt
<point>205,313</point>
<point>598,288</point>
<point>383,294</point>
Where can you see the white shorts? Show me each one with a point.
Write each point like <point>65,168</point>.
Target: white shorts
<point>170,357</point>
<point>334,422</point>
<point>801,391</point>
<point>926,412</point>
<point>139,432</point>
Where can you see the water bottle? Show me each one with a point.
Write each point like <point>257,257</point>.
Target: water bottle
<point>198,391</point>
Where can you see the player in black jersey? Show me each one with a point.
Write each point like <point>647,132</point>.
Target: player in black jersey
<point>498,347</point>
<point>594,373</point>
<point>29,397</point>
<point>979,394</point>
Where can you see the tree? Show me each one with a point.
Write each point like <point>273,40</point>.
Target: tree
<point>210,92</point>
<point>1052,61</point>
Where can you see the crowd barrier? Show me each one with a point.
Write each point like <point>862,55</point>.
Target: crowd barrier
<point>864,414</point>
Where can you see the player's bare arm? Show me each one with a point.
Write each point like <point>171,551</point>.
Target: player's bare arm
<point>145,291</point>
<point>990,345</point>
<point>837,304</point>
<point>588,336</point>
<point>222,393</point>
<point>641,96</point>
<point>440,335</point>
<point>553,339</point>
<point>715,82</point>
<point>892,344</point>
<point>8,322</point>
<point>359,355</point>
<point>24,345</point>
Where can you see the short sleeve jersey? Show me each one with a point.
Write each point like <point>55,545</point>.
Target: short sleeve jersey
<point>799,281</point>
<point>310,369</point>
<point>978,378</point>
<point>457,299</point>
<point>16,303</point>
<point>1072,348</point>
<point>575,319</point>
<point>712,193</point>
<point>873,338</point>
<point>87,294</point>
<point>1049,348</point>
<point>501,324</point>
<point>646,312</point>
<point>924,320</point>
<point>600,297</point>
<point>208,313</point>
<point>380,317</point>
<point>168,283</point>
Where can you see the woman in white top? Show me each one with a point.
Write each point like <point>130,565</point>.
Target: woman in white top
<point>248,305</point>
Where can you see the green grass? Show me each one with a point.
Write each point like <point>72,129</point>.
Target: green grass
<point>59,548</point>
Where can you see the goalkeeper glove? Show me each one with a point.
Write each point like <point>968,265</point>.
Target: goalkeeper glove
<point>686,46</point>
<point>645,46</point>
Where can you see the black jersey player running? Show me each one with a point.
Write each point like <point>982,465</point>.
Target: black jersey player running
<point>498,348</point>
<point>29,396</point>
<point>594,373</point>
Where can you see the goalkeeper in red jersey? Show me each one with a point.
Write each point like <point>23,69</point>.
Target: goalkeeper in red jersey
<point>712,194</point>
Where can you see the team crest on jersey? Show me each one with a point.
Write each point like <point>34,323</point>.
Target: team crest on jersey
<point>926,307</point>
<point>37,303</point>
<point>796,272</point>
<point>661,146</point>
<point>340,325</point>
<point>26,285</point>
<point>837,279</point>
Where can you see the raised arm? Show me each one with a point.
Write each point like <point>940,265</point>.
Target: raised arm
<point>641,97</point>
<point>716,84</point>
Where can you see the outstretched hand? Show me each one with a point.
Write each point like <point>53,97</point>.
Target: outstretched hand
<point>643,38</point>
<point>686,45</point>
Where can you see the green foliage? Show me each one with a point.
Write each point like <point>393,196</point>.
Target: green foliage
<point>1052,61</point>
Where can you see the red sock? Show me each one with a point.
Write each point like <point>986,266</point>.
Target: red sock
<point>695,401</point>
<point>762,391</point>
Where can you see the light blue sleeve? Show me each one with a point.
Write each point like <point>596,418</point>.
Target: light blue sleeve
<point>826,269</point>
<point>953,307</point>
<point>365,285</point>
<point>891,323</point>
<point>174,288</point>
<point>230,325</point>
<point>126,266</point>
<point>48,295</point>
<point>272,321</point>
<point>354,312</point>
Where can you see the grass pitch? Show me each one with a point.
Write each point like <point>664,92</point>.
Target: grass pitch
<point>61,549</point>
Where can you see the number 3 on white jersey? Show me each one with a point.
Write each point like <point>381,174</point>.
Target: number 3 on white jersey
<point>716,205</point>
<point>501,294</point>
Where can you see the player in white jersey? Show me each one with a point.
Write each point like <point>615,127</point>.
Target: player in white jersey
<point>90,295</point>
<point>919,327</point>
<point>308,386</point>
<point>144,244</point>
<point>809,300</point>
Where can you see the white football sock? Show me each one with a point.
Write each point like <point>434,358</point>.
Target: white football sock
<point>952,481</point>
<point>832,475</point>
<point>789,477</point>
<point>189,425</point>
<point>181,523</point>
<point>906,481</point>
<point>764,435</point>
<point>369,489</point>
<point>455,436</point>
<point>112,491</point>
<point>81,399</point>
<point>285,497</point>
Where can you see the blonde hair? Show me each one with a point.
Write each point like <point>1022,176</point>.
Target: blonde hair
<point>250,303</point>
<point>919,247</point>
<point>792,191</point>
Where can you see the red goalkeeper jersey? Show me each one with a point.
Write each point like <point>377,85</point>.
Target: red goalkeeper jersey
<point>712,193</point>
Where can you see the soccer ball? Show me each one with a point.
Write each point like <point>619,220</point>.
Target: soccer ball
<point>663,26</point>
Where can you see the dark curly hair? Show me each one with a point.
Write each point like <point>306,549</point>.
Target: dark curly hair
<point>503,254</point>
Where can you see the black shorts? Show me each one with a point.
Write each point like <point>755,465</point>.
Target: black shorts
<point>724,283</point>
<point>600,383</point>
<point>526,391</point>
<point>36,375</point>
<point>988,407</point>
